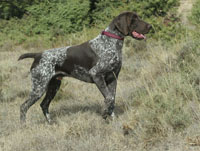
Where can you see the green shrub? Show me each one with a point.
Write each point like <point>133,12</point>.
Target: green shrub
<point>196,12</point>
<point>148,8</point>
<point>105,11</point>
<point>12,8</point>
<point>51,18</point>
<point>58,18</point>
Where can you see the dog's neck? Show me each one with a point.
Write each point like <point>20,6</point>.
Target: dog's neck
<point>103,45</point>
<point>114,31</point>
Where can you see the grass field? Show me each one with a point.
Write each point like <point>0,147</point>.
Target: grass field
<point>157,102</point>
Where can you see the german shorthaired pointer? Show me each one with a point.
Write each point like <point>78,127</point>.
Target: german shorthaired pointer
<point>96,61</point>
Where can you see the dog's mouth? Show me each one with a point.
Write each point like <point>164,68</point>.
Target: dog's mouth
<point>138,35</point>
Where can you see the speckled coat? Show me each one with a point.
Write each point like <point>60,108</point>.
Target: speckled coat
<point>96,61</point>
<point>109,52</point>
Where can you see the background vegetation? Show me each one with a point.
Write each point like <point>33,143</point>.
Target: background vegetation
<point>157,103</point>
<point>49,19</point>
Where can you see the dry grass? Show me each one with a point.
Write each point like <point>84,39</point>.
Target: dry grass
<point>157,103</point>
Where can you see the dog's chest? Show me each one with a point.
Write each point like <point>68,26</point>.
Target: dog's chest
<point>107,49</point>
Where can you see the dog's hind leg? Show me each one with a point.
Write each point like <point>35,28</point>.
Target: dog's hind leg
<point>52,89</point>
<point>33,97</point>
<point>39,85</point>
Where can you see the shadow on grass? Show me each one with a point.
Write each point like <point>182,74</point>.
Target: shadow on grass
<point>96,108</point>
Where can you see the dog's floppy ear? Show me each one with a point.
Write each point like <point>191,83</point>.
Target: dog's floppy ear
<point>122,22</point>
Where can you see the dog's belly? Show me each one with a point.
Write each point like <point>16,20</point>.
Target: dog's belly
<point>81,73</point>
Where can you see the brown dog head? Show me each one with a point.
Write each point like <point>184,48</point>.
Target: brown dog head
<point>129,24</point>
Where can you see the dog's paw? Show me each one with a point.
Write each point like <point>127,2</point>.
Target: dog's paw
<point>108,117</point>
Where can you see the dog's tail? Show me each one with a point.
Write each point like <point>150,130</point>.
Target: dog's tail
<point>28,55</point>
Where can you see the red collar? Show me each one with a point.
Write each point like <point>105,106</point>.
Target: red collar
<point>111,35</point>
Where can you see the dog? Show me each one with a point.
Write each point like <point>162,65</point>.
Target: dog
<point>96,61</point>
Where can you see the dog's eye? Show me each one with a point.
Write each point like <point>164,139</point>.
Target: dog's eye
<point>135,16</point>
<point>133,20</point>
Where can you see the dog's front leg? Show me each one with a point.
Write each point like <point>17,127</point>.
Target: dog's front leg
<point>110,105</point>
<point>99,80</point>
